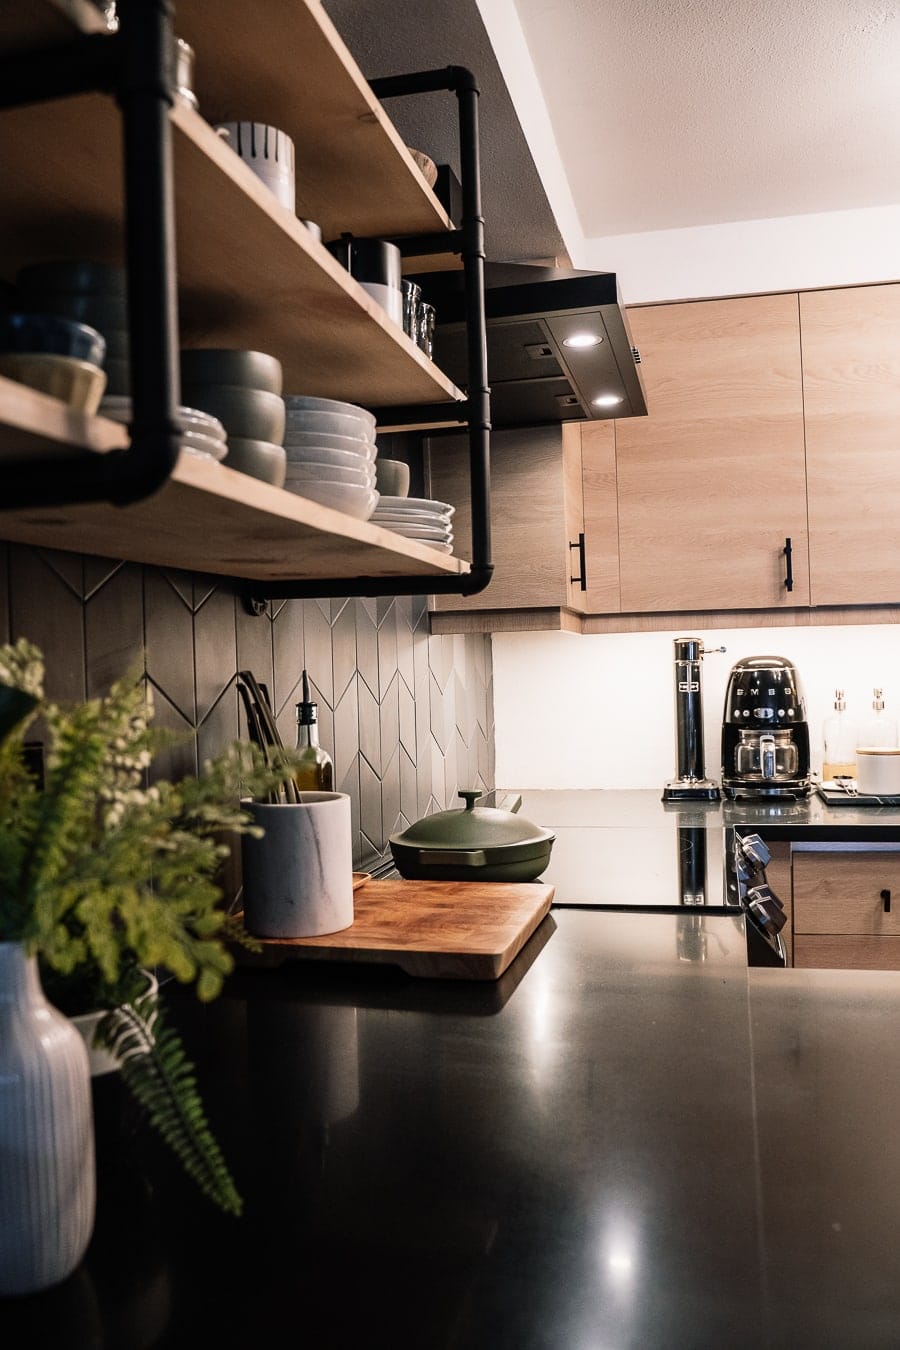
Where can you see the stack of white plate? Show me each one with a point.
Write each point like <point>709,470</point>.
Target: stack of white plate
<point>202,434</point>
<point>417,518</point>
<point>330,448</point>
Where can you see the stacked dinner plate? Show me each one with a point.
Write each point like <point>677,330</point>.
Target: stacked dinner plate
<point>330,449</point>
<point>417,518</point>
<point>201,433</point>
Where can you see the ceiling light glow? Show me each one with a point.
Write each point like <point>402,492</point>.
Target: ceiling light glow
<point>606,400</point>
<point>583,340</point>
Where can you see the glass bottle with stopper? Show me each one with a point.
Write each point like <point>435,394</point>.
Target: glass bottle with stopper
<point>315,771</point>
<point>879,729</point>
<point>839,734</point>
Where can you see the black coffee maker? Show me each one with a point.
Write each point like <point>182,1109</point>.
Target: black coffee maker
<point>765,735</point>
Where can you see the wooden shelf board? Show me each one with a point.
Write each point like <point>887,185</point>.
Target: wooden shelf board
<point>290,68</point>
<point>32,423</point>
<point>208,518</point>
<point>250,274</point>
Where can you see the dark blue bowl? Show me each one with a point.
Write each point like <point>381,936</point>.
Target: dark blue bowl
<point>50,333</point>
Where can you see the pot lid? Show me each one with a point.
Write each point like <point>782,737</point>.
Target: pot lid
<point>472,827</point>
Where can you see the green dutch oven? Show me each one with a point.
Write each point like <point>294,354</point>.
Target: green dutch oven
<point>477,843</point>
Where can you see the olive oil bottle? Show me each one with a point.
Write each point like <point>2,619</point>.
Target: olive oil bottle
<point>315,772</point>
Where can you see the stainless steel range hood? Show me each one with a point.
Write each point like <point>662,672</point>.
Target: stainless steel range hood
<point>537,373</point>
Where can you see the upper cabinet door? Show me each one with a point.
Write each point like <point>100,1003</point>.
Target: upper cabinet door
<point>712,483</point>
<point>851,386</point>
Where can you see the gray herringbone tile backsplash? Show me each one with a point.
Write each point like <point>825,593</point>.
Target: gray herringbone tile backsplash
<point>408,717</point>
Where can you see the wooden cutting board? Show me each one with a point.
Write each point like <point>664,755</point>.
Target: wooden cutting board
<point>449,930</point>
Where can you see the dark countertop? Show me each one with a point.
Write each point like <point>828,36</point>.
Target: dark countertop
<point>630,1142</point>
<point>625,847</point>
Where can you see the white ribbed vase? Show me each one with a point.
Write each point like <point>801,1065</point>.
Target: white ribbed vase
<point>46,1134</point>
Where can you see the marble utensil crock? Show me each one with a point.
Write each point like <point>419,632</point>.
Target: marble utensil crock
<point>47,1189</point>
<point>298,878</point>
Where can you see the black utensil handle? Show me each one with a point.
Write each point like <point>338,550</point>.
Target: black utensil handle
<point>886,899</point>
<point>788,552</point>
<point>582,568</point>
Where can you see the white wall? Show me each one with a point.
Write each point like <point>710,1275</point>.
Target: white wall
<point>599,711</point>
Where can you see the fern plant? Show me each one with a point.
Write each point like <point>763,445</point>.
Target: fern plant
<point>104,878</point>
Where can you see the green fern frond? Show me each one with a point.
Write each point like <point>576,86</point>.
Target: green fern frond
<point>159,1075</point>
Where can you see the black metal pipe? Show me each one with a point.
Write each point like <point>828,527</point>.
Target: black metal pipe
<point>86,65</point>
<point>145,96</point>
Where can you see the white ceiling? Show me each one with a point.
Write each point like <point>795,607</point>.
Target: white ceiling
<point>690,112</point>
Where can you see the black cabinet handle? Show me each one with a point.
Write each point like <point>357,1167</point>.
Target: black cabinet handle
<point>886,897</point>
<point>788,552</point>
<point>582,567</point>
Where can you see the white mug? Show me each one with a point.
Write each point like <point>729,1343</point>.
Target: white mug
<point>298,878</point>
<point>268,152</point>
<point>878,771</point>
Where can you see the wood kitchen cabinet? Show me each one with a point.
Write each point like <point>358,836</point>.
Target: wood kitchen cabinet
<point>712,482</point>
<point>847,908</point>
<point>549,485</point>
<point>851,388</point>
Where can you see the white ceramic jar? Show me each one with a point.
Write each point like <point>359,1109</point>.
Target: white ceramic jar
<point>298,878</point>
<point>268,152</point>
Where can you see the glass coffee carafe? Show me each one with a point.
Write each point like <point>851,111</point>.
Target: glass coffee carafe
<point>767,754</point>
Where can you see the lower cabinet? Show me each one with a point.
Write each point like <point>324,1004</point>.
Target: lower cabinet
<point>847,908</point>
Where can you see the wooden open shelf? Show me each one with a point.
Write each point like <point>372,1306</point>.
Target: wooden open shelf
<point>284,63</point>
<point>206,518</point>
<point>250,275</point>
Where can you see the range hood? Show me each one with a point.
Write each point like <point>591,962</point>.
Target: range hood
<point>537,373</point>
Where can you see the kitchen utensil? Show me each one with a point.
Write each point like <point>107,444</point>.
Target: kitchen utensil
<point>430,929</point>
<point>267,728</point>
<point>424,330</point>
<point>412,295</point>
<point>392,477</point>
<point>765,736</point>
<point>201,433</point>
<point>252,414</point>
<point>314,229</point>
<point>475,843</point>
<point>878,770</point>
<point>690,782</point>
<point>375,264</point>
<point>52,334</point>
<point>350,498</point>
<point>298,878</point>
<point>268,152</point>
<point>77,383</point>
<point>184,73</point>
<point>257,459</point>
<point>425,164</point>
<point>222,365</point>
<point>332,424</point>
<point>417,504</point>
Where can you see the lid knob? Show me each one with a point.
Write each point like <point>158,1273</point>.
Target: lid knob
<point>470,797</point>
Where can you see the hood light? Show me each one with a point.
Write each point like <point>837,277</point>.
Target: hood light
<point>606,400</point>
<point>582,340</point>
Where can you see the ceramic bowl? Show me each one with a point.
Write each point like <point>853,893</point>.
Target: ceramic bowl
<point>74,277</point>
<point>249,414</point>
<point>328,473</point>
<point>343,459</point>
<point>221,365</point>
<point>392,476</point>
<point>332,407</point>
<point>258,459</point>
<point>78,383</point>
<point>53,334</point>
<point>353,500</point>
<point>320,440</point>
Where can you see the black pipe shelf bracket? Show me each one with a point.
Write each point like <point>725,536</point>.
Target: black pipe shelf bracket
<point>135,64</point>
<point>475,411</point>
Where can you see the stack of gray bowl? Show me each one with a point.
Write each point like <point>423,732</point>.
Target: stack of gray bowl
<point>89,292</point>
<point>243,390</point>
